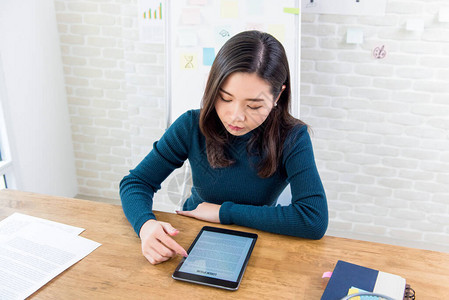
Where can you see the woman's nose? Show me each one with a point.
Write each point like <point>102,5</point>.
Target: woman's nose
<point>238,114</point>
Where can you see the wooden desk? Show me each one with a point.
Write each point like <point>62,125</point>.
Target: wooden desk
<point>280,266</point>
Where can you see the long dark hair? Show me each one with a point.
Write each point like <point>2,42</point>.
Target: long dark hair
<point>250,52</point>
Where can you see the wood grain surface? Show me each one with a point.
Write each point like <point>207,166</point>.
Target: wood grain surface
<point>280,267</point>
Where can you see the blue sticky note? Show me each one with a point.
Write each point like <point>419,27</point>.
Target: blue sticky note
<point>208,56</point>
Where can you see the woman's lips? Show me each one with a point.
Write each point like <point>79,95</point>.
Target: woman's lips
<point>235,128</point>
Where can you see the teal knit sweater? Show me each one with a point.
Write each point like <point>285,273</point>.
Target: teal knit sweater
<point>245,198</point>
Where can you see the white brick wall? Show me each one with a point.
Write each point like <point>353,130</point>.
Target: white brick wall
<point>95,78</point>
<point>380,126</point>
<point>115,86</point>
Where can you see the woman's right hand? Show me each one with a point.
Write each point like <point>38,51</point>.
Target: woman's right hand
<point>157,245</point>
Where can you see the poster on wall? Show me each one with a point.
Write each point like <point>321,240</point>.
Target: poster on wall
<point>197,29</point>
<point>151,16</point>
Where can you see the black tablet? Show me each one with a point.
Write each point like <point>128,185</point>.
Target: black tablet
<point>217,257</point>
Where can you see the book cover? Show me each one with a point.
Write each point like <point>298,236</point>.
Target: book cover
<point>347,275</point>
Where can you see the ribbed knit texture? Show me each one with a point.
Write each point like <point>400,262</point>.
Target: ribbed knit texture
<point>245,198</point>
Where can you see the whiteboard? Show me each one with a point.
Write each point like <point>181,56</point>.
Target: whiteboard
<point>196,30</point>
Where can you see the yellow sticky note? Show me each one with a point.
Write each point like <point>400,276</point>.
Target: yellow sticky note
<point>291,10</point>
<point>188,61</point>
<point>353,291</point>
<point>278,31</point>
<point>229,9</point>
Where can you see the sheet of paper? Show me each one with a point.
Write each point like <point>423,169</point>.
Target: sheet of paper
<point>17,221</point>
<point>34,253</point>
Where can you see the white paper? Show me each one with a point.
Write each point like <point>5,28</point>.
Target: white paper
<point>390,285</point>
<point>33,253</point>
<point>17,221</point>
<point>354,36</point>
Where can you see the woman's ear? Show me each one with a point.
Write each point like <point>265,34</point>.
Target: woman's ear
<point>280,93</point>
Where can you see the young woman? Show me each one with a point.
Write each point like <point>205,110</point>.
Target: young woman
<point>244,147</point>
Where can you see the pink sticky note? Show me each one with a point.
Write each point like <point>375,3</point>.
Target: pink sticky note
<point>191,16</point>
<point>327,275</point>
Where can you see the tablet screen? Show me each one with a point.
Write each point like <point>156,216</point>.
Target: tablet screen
<point>219,254</point>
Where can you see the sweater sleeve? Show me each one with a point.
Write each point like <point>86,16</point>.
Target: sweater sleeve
<point>307,215</point>
<point>138,187</point>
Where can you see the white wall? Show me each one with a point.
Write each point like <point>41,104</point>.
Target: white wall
<point>36,103</point>
<point>115,89</point>
<point>381,126</point>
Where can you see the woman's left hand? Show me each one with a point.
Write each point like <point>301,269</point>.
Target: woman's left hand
<point>204,211</point>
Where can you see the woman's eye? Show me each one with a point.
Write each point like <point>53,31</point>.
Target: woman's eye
<point>224,99</point>
<point>251,107</point>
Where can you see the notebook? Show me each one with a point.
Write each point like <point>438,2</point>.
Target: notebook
<point>346,276</point>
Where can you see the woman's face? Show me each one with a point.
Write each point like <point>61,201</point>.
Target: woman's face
<point>244,102</point>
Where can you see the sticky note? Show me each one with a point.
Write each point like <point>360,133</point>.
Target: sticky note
<point>229,9</point>
<point>415,25</point>
<point>443,15</point>
<point>255,26</point>
<point>222,34</point>
<point>255,7</point>
<point>188,61</point>
<point>278,31</point>
<point>353,290</point>
<point>327,275</point>
<point>187,38</point>
<point>191,16</point>
<point>354,36</point>
<point>197,2</point>
<point>291,10</point>
<point>208,56</point>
